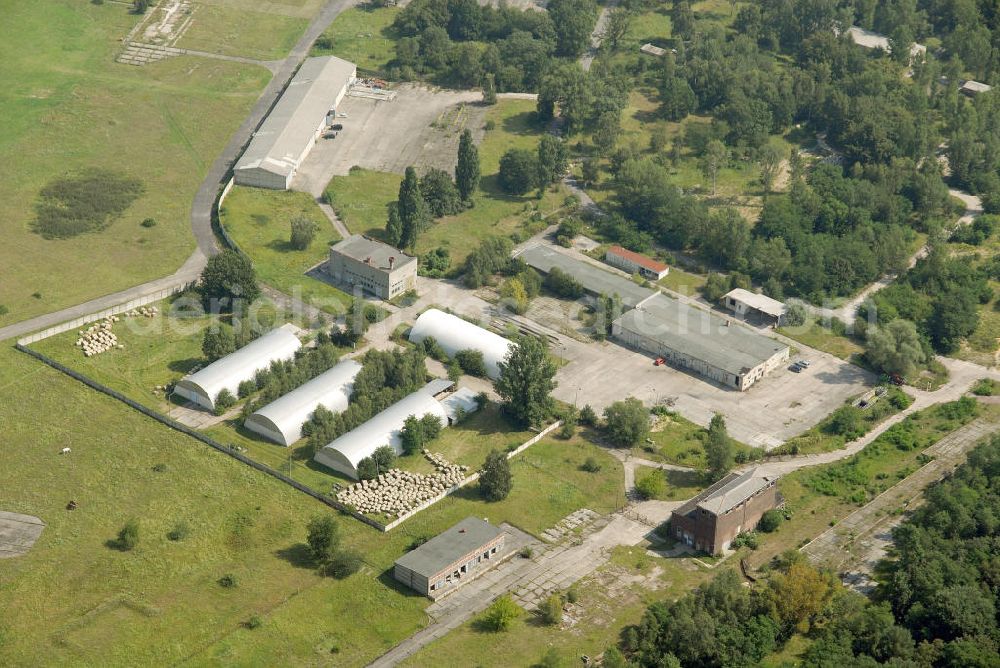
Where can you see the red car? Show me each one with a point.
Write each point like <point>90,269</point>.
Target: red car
<point>658,362</point>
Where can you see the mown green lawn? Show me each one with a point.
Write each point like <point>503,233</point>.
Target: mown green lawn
<point>68,106</point>
<point>822,338</point>
<point>259,221</point>
<point>362,35</point>
<point>241,32</point>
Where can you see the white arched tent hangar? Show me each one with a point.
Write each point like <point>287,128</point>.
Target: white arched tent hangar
<point>345,452</point>
<point>453,334</point>
<point>281,420</point>
<point>227,373</point>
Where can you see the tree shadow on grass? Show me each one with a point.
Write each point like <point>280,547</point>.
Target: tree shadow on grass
<point>281,246</point>
<point>297,555</point>
<point>525,123</point>
<point>185,365</point>
<point>386,579</point>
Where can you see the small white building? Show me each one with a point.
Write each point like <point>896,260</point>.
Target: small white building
<point>636,263</point>
<point>653,50</point>
<point>745,303</point>
<point>453,334</point>
<point>286,136</point>
<point>204,386</point>
<point>281,420</point>
<point>868,39</point>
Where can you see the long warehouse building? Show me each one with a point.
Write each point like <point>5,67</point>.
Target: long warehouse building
<point>454,334</point>
<point>204,386</point>
<point>281,420</point>
<point>286,136</point>
<point>688,337</point>
<point>594,280</point>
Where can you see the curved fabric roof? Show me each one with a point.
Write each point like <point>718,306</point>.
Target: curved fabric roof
<point>454,334</point>
<point>227,373</point>
<point>344,453</point>
<point>282,419</point>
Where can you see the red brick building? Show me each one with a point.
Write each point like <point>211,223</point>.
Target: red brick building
<point>735,504</point>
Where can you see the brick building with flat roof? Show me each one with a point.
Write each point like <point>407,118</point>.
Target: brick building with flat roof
<point>710,521</point>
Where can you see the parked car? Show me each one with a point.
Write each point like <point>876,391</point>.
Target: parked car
<point>659,361</point>
<point>337,127</point>
<point>804,363</point>
<point>796,368</point>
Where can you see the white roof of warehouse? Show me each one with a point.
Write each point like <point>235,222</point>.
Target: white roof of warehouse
<point>344,453</point>
<point>228,372</point>
<point>286,415</point>
<point>291,126</point>
<point>461,402</point>
<point>453,334</point>
<point>755,300</point>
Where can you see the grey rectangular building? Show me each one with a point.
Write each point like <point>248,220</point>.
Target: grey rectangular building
<point>290,130</point>
<point>373,266</point>
<point>594,280</point>
<point>451,558</point>
<point>688,337</point>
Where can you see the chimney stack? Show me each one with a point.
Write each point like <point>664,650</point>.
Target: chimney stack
<point>368,260</point>
<point>392,261</point>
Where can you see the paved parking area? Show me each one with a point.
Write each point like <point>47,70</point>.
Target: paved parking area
<point>18,533</point>
<point>779,406</point>
<point>420,127</point>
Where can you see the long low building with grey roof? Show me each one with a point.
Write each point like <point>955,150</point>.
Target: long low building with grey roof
<point>286,136</point>
<point>451,558</point>
<point>594,280</point>
<point>685,336</point>
<point>710,521</point>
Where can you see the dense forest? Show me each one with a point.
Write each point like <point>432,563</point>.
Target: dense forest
<point>935,607</point>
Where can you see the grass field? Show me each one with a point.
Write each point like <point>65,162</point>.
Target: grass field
<point>241,32</point>
<point>259,221</point>
<point>363,36</point>
<point>360,198</point>
<point>680,485</point>
<point>67,106</point>
<point>76,601</point>
<point>822,338</point>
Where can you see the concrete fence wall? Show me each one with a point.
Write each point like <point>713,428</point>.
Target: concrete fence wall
<point>77,323</point>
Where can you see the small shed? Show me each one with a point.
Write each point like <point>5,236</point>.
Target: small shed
<point>653,50</point>
<point>973,88</point>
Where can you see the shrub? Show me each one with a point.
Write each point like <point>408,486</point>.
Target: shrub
<point>572,595</point>
<point>224,401</point>
<point>591,465</point>
<point>588,416</point>
<point>771,520</point>
<point>526,552</point>
<point>148,222</point>
<point>501,614</point>
<point>344,564</point>
<point>984,387</point>
<point>160,468</point>
<point>128,537</point>
<point>86,202</point>
<point>847,421</point>
<point>303,233</point>
<point>518,171</point>
<point>651,485</point>
<point>179,532</point>
<point>490,125</point>
<point>746,539</point>
<point>246,388</point>
<point>227,581</point>
<point>495,478</point>
<point>471,362</point>
<point>254,622</point>
<point>323,538</point>
<point>551,610</point>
